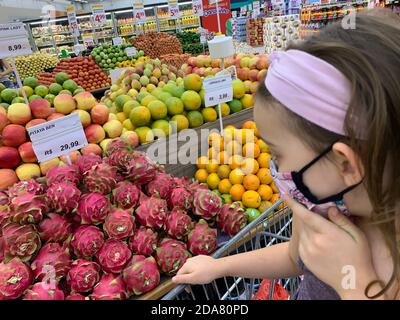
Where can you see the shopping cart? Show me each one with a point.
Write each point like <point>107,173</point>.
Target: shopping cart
<point>272,227</point>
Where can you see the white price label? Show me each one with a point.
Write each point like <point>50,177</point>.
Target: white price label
<point>131,51</point>
<point>78,48</point>
<point>73,23</point>
<point>230,70</point>
<point>99,15</point>
<point>13,40</point>
<point>117,41</point>
<point>243,10</point>
<point>173,9</point>
<point>115,73</point>
<point>218,90</point>
<point>203,39</point>
<point>57,137</point>
<point>138,12</point>
<point>234,14</point>
<point>88,40</point>
<point>198,8</point>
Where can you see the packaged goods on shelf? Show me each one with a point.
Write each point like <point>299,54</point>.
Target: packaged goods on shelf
<point>279,31</point>
<point>242,47</point>
<point>254,33</point>
<point>239,29</point>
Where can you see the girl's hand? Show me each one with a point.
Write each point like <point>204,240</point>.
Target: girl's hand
<point>198,270</point>
<point>335,250</point>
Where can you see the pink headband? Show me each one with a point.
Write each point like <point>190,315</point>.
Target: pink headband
<point>310,87</point>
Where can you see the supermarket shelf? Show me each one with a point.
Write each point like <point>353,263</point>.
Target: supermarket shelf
<point>54,34</point>
<point>168,29</point>
<point>84,30</point>
<point>57,43</point>
<point>133,23</point>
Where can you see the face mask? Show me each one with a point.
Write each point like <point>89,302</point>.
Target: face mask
<point>291,183</point>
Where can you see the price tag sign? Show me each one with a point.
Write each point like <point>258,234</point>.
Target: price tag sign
<point>230,70</point>
<point>256,8</point>
<point>78,48</point>
<point>243,11</point>
<point>99,14</point>
<point>115,73</point>
<point>173,9</point>
<point>73,23</point>
<point>131,51</point>
<point>218,90</point>
<point>117,41</point>
<point>138,12</point>
<point>198,8</point>
<point>88,39</point>
<point>13,40</point>
<point>234,14</point>
<point>57,137</point>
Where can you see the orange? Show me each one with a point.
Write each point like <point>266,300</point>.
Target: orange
<point>233,147</point>
<point>224,186</point>
<point>251,199</point>
<point>213,181</point>
<point>251,125</point>
<point>245,136</point>
<point>212,166</point>
<point>213,153</point>
<point>275,198</point>
<point>224,171</point>
<point>223,157</point>
<point>265,192</point>
<point>237,192</point>
<point>235,161</point>
<point>274,188</point>
<point>251,182</point>
<point>264,175</point>
<point>201,175</point>
<point>251,150</point>
<point>264,206</point>
<point>263,146</point>
<point>249,166</point>
<point>236,176</point>
<point>263,160</point>
<point>215,140</point>
<point>202,162</point>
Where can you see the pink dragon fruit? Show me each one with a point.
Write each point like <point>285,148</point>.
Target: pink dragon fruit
<point>52,261</point>
<point>87,241</point>
<point>63,197</point>
<point>178,224</point>
<point>23,187</point>
<point>152,213</point>
<point>15,278</point>
<point>141,170</point>
<point>87,161</point>
<point>171,255</point>
<point>93,208</point>
<point>115,145</point>
<point>76,296</point>
<point>4,199</point>
<point>114,255</point>
<point>232,218</point>
<point>126,195</point>
<point>141,275</point>
<point>55,228</point>
<point>102,178</point>
<point>206,204</point>
<point>184,182</point>
<point>5,216</point>
<point>63,174</point>
<point>181,198</point>
<point>110,287</point>
<point>161,186</point>
<point>83,275</point>
<point>44,291</point>
<point>195,186</point>
<point>19,241</point>
<point>143,242</point>
<point>119,224</point>
<point>120,159</point>
<point>28,208</point>
<point>143,197</point>
<point>202,239</point>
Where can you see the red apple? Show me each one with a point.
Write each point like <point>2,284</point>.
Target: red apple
<point>261,75</point>
<point>93,148</point>
<point>253,75</point>
<point>26,152</point>
<point>41,108</point>
<point>95,133</point>
<point>8,177</point>
<point>99,114</point>
<point>13,135</point>
<point>34,122</point>
<point>3,121</point>
<point>55,116</point>
<point>262,63</point>
<point>243,73</point>
<point>9,157</point>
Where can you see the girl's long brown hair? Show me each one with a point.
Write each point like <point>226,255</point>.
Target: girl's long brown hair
<point>369,56</point>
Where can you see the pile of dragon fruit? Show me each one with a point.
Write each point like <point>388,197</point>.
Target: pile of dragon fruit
<point>105,229</point>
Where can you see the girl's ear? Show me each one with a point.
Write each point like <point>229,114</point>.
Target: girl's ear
<point>349,162</point>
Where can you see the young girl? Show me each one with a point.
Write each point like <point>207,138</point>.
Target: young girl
<point>330,111</point>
